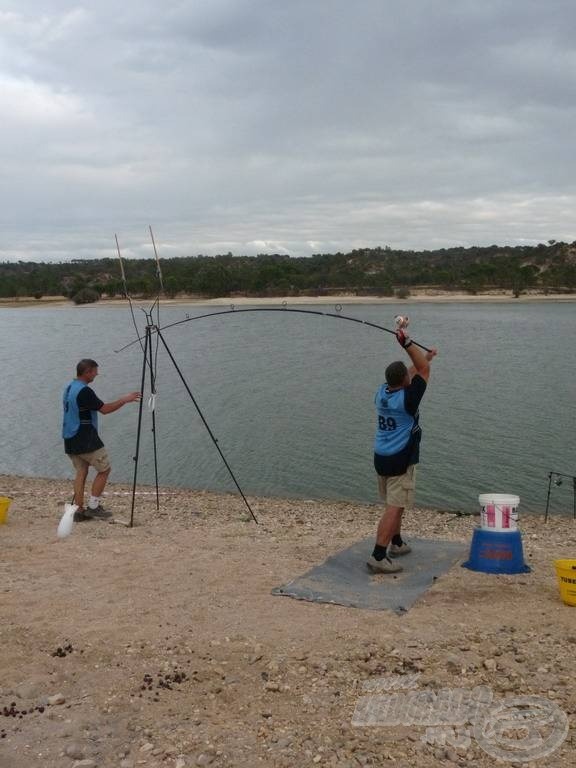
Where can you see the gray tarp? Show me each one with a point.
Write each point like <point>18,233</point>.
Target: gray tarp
<point>344,578</point>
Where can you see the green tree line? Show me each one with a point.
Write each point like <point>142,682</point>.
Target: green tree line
<point>368,271</point>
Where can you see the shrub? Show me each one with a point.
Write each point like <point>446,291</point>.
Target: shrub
<point>86,296</point>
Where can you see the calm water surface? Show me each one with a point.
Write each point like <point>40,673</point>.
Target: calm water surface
<point>290,398</point>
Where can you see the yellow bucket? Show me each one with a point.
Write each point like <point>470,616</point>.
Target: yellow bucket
<point>4,505</point>
<point>566,572</point>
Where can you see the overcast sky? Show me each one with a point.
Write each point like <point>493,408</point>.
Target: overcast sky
<point>287,126</point>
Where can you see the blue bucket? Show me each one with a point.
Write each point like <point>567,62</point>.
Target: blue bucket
<point>493,552</point>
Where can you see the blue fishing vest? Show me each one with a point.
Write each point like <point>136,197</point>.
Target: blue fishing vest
<point>395,424</point>
<point>71,421</point>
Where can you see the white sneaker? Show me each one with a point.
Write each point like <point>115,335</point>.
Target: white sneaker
<point>394,550</point>
<point>383,566</point>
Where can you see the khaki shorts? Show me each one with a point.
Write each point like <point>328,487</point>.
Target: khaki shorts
<point>398,491</point>
<point>97,459</point>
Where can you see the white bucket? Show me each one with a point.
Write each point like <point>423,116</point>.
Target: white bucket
<point>499,512</point>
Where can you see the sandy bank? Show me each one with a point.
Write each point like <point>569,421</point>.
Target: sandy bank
<point>269,680</point>
<point>417,296</point>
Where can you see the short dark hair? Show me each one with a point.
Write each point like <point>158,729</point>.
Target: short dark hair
<point>396,374</point>
<point>85,365</point>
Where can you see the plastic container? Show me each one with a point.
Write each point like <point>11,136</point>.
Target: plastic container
<point>496,552</point>
<point>499,512</point>
<point>66,521</point>
<point>566,572</point>
<point>4,506</point>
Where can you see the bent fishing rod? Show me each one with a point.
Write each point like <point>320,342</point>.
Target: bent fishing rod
<point>235,311</point>
<point>151,328</point>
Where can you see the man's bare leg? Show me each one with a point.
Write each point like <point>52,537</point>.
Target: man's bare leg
<point>99,483</point>
<point>79,485</point>
<point>389,525</point>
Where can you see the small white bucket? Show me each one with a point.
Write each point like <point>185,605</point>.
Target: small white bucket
<point>499,512</point>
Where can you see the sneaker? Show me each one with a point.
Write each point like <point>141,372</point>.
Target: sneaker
<point>99,513</point>
<point>80,516</point>
<point>394,550</point>
<point>383,566</point>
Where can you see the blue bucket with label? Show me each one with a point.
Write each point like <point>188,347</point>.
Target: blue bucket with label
<point>494,552</point>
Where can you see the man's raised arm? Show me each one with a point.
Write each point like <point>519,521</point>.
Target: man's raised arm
<point>420,359</point>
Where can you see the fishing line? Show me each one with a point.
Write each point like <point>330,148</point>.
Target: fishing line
<point>140,408</point>
<point>199,411</point>
<point>161,283</point>
<point>150,361</point>
<point>154,358</point>
<point>127,294</point>
<point>147,364</point>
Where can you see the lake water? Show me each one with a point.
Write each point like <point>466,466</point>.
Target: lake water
<point>290,398</point>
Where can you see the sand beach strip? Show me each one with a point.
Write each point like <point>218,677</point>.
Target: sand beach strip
<point>417,295</point>
<point>161,645</point>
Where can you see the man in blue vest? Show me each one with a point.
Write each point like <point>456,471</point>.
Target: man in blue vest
<point>396,448</point>
<point>81,440</point>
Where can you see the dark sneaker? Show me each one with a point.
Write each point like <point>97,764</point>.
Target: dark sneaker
<point>80,516</point>
<point>383,566</point>
<point>99,513</point>
<point>395,550</point>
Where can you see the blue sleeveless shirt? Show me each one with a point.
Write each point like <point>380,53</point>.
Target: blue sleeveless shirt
<point>397,441</point>
<point>71,420</point>
<point>395,424</point>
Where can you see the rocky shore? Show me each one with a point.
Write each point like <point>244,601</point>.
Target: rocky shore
<point>161,645</point>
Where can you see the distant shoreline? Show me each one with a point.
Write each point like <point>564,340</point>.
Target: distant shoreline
<point>416,296</point>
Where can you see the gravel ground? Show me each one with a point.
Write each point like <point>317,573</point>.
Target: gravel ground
<point>161,645</point>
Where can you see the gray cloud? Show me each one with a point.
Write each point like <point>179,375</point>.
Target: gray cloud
<point>260,125</point>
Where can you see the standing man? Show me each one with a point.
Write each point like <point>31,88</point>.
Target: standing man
<point>81,440</point>
<point>396,448</point>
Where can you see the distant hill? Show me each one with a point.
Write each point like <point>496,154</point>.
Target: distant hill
<point>383,271</point>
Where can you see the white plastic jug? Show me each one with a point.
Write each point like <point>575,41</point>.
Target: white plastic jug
<point>66,521</point>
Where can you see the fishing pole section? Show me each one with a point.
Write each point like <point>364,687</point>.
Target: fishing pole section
<point>558,478</point>
<point>214,440</point>
<point>153,366</point>
<point>235,311</point>
<point>150,362</point>
<point>149,370</point>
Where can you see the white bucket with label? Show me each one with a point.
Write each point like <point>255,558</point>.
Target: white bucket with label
<point>499,512</point>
